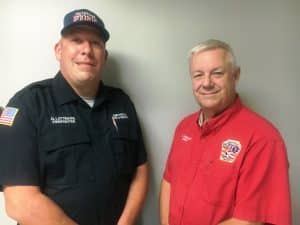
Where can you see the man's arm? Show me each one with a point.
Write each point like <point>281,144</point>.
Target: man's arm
<point>136,196</point>
<point>233,221</point>
<point>164,202</point>
<point>28,206</point>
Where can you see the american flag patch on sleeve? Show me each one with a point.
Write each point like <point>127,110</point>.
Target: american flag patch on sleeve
<point>8,115</point>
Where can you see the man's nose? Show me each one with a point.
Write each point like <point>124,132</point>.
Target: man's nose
<point>207,81</point>
<point>86,47</point>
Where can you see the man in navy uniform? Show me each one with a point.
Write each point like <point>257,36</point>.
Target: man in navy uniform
<point>72,151</point>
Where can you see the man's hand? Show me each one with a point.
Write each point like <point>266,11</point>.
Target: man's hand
<point>136,196</point>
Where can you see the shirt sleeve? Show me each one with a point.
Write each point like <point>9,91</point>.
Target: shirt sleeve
<point>167,175</point>
<point>142,154</point>
<point>263,192</point>
<point>19,158</point>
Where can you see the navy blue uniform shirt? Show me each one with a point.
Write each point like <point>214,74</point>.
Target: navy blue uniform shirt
<point>83,158</point>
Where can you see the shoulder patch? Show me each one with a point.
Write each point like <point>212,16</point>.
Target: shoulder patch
<point>8,116</point>
<point>230,150</point>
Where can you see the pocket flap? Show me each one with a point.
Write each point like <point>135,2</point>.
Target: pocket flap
<point>125,130</point>
<point>60,137</point>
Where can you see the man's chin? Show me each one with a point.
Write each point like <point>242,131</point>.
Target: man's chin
<point>209,104</point>
<point>87,74</point>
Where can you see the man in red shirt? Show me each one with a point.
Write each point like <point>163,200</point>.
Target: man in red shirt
<point>227,164</point>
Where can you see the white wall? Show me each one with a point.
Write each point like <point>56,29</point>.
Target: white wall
<point>148,59</point>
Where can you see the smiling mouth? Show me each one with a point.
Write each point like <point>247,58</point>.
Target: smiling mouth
<point>85,64</point>
<point>209,93</point>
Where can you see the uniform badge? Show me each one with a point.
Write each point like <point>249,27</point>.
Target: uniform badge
<point>230,150</point>
<point>62,119</point>
<point>118,116</point>
<point>8,116</point>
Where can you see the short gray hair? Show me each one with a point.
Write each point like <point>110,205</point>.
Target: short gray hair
<point>214,44</point>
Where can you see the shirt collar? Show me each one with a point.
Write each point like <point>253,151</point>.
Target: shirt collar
<point>103,94</point>
<point>218,121</point>
<point>64,93</point>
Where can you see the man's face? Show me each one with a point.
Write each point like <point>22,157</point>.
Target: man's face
<point>213,80</point>
<point>82,55</point>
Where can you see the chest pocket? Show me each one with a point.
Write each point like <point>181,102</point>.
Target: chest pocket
<point>124,148</point>
<point>219,182</point>
<point>67,156</point>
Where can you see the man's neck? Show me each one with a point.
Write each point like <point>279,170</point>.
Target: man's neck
<point>207,114</point>
<point>88,90</point>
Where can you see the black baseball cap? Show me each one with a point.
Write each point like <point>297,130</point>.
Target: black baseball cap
<point>87,18</point>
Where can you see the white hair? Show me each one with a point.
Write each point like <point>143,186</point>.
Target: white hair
<point>214,44</point>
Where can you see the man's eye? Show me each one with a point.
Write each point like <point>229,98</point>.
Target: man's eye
<point>197,75</point>
<point>218,73</point>
<point>76,40</point>
<point>96,43</point>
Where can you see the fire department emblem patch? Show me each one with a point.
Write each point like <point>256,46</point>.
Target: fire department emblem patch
<point>230,150</point>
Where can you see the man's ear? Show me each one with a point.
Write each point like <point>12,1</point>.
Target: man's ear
<point>57,50</point>
<point>106,55</point>
<point>237,73</point>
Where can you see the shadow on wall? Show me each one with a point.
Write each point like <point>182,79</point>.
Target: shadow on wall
<point>122,71</point>
<point>249,101</point>
<point>112,73</point>
<point>115,74</point>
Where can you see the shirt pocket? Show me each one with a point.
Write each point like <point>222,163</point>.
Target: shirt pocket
<point>124,144</point>
<point>67,156</point>
<point>219,182</point>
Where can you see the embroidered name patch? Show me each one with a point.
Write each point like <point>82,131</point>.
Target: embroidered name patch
<point>230,150</point>
<point>185,138</point>
<point>8,116</point>
<point>118,116</point>
<point>62,119</point>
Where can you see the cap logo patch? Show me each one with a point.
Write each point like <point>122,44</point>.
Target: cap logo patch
<point>230,150</point>
<point>8,116</point>
<point>84,16</point>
